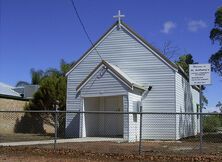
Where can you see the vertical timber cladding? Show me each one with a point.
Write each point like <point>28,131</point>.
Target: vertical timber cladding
<point>120,48</point>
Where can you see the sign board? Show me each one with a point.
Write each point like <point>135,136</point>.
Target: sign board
<point>200,74</point>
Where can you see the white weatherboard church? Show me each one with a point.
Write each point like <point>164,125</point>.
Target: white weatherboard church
<point>114,75</point>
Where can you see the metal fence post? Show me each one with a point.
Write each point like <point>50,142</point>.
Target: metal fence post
<point>56,127</point>
<point>140,142</point>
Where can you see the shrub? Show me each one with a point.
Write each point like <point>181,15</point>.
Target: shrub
<point>211,123</point>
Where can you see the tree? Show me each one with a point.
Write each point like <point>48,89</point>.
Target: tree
<point>36,75</point>
<point>65,67</point>
<point>50,95</point>
<point>52,92</point>
<point>52,89</point>
<point>216,36</point>
<point>211,123</point>
<point>169,50</point>
<point>219,105</point>
<point>184,62</point>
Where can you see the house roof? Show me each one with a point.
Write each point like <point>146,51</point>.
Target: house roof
<point>7,90</point>
<point>123,77</point>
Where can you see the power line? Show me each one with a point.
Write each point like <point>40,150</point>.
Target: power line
<point>84,28</point>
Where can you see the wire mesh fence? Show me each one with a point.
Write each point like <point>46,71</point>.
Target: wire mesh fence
<point>114,132</point>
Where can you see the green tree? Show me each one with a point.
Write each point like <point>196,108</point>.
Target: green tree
<point>216,36</point>
<point>50,95</point>
<point>184,62</point>
<point>211,123</point>
<point>52,92</point>
<point>65,67</point>
<point>52,89</point>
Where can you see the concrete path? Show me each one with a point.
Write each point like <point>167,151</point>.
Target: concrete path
<point>43,142</point>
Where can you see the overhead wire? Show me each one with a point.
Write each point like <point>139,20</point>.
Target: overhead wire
<point>84,28</point>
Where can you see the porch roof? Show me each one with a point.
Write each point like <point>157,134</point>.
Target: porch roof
<point>123,77</point>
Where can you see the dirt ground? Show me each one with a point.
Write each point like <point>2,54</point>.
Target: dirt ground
<point>148,147</point>
<point>113,151</point>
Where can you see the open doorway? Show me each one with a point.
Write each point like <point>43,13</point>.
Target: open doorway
<point>103,125</point>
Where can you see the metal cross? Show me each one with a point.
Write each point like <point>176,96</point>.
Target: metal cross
<point>119,16</point>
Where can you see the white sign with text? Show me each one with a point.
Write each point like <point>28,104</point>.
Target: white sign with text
<point>200,74</point>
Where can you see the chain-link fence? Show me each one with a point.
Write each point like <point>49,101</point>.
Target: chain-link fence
<point>114,132</point>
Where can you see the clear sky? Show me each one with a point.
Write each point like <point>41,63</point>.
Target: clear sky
<point>38,33</point>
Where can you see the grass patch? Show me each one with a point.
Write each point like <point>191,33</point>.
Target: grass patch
<point>207,137</point>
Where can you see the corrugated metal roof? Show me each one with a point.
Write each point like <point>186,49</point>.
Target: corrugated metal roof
<point>8,90</point>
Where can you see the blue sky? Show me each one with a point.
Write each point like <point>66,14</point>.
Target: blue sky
<point>38,33</point>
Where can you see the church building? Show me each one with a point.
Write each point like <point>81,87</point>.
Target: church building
<point>120,72</point>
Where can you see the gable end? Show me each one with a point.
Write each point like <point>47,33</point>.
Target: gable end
<point>137,37</point>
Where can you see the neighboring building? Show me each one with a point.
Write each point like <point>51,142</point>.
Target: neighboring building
<point>23,92</point>
<point>15,98</point>
<point>7,91</point>
<point>128,68</point>
<point>27,91</point>
<point>10,100</point>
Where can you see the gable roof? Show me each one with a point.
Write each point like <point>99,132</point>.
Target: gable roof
<point>133,33</point>
<point>123,77</point>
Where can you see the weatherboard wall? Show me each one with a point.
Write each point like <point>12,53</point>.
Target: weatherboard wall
<point>104,83</point>
<point>134,119</point>
<point>121,49</point>
<point>187,99</point>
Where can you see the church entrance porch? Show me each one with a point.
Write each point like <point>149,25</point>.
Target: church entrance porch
<point>103,125</point>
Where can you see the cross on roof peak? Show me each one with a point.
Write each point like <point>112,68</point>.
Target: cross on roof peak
<point>119,16</point>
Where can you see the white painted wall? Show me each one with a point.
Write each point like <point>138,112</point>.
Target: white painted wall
<point>187,99</point>
<point>134,119</point>
<point>103,83</point>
